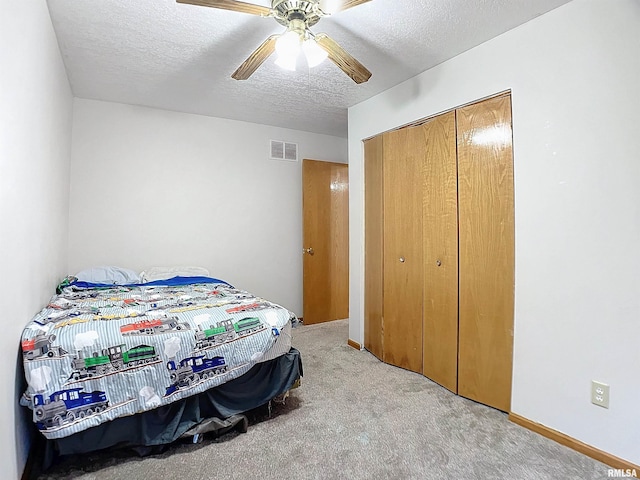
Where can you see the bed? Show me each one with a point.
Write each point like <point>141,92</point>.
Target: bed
<point>143,363</point>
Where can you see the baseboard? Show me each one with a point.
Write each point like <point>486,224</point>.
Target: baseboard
<point>574,444</point>
<point>353,344</point>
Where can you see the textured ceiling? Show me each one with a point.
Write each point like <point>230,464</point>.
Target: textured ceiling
<point>158,53</point>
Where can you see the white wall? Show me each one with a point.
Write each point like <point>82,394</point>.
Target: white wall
<point>157,188</point>
<point>576,111</point>
<point>35,147</point>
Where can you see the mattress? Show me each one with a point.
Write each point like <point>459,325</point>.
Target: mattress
<point>97,353</point>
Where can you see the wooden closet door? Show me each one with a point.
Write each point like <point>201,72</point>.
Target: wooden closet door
<point>404,152</point>
<point>373,241</point>
<point>440,243</point>
<point>486,222</point>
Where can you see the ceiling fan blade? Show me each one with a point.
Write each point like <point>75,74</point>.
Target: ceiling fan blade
<point>256,59</point>
<point>351,3</point>
<point>347,63</point>
<point>231,5</point>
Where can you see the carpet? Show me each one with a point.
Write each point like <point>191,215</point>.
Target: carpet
<point>353,417</point>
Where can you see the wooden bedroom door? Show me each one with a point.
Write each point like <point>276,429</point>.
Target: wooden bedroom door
<point>325,205</point>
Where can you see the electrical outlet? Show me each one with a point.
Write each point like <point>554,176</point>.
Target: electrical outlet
<point>600,394</point>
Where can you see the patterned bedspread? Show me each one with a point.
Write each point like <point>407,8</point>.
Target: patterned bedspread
<point>95,354</point>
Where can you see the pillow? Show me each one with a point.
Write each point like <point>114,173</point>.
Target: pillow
<point>108,276</point>
<point>164,273</point>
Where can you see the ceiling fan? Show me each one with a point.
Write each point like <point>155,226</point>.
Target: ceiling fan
<point>297,16</point>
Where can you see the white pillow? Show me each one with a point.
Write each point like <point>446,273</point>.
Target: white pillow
<point>164,273</point>
<point>108,276</point>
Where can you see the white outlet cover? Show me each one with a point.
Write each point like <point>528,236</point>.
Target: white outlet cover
<point>600,394</point>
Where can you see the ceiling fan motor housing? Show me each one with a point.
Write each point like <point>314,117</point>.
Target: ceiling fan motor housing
<point>307,11</point>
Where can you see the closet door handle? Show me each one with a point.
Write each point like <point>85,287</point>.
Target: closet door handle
<point>402,259</point>
<point>438,263</point>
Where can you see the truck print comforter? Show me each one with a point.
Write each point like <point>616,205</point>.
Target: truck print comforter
<point>97,353</point>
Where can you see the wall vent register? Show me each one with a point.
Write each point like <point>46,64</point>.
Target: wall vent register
<point>284,151</point>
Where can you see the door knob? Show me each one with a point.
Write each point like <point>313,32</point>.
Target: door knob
<point>308,250</point>
<point>438,262</point>
<point>402,259</point>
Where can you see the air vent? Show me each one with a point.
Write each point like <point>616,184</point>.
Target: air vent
<point>284,151</point>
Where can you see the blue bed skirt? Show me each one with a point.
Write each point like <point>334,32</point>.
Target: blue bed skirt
<point>166,424</point>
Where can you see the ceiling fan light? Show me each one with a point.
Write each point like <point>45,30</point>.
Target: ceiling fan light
<point>314,53</point>
<point>288,63</point>
<point>288,45</point>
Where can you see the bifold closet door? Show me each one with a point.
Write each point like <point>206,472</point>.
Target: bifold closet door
<point>403,153</point>
<point>486,224</point>
<point>373,241</point>
<point>440,243</point>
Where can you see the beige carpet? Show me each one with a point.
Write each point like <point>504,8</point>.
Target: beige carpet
<point>355,418</point>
